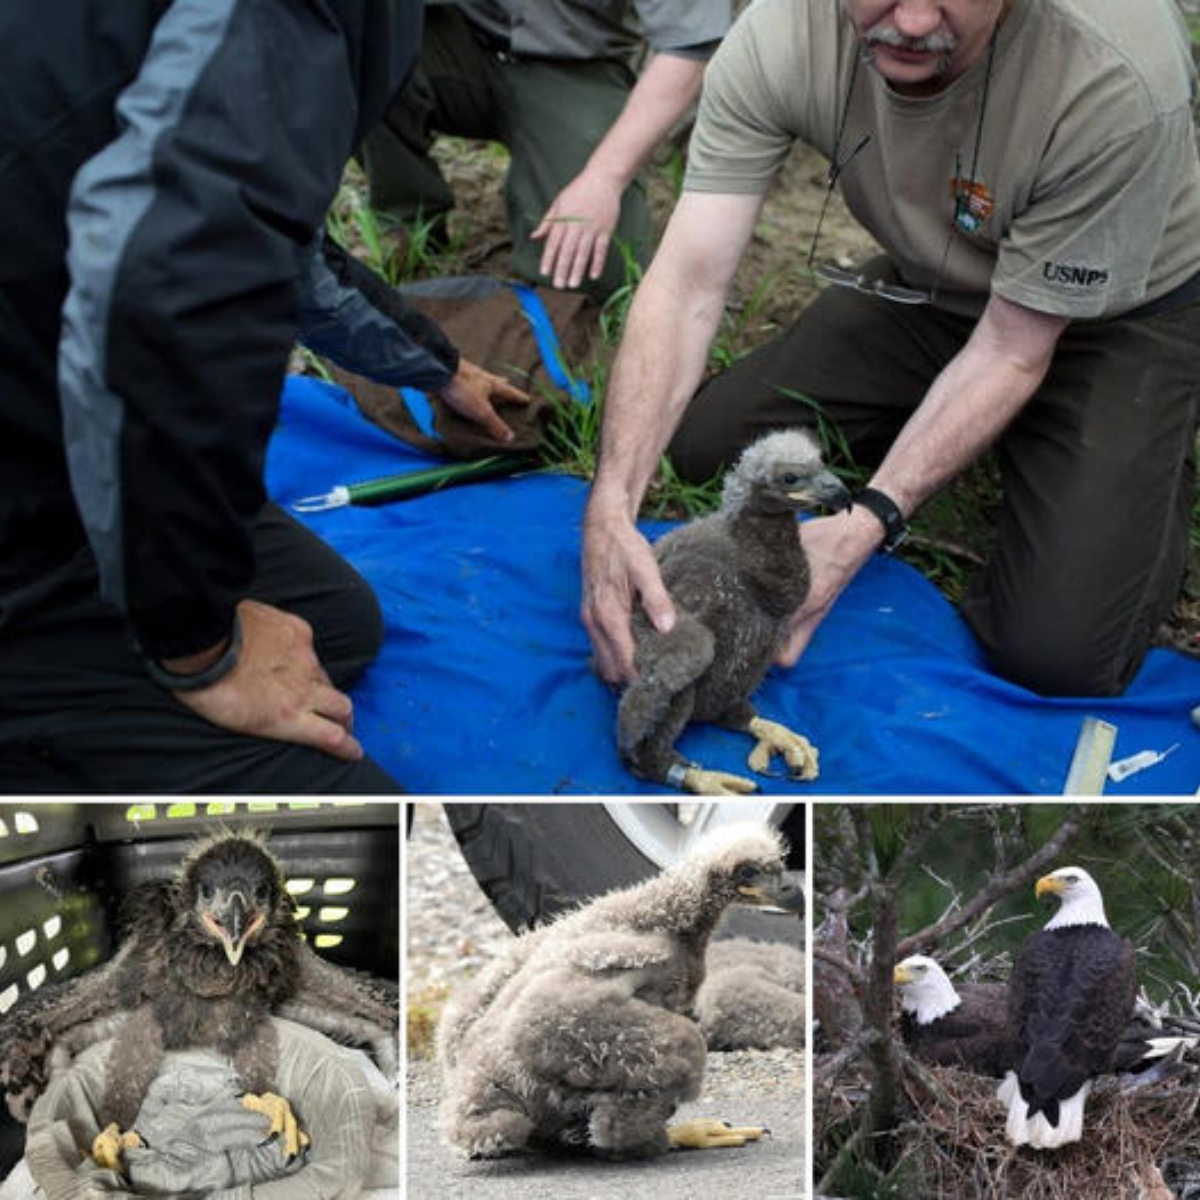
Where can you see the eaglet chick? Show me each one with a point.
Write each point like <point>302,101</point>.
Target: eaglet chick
<point>205,959</point>
<point>753,995</point>
<point>581,1034</point>
<point>736,577</point>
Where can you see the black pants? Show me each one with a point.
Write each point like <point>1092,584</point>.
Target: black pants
<point>78,714</point>
<point>1097,471</point>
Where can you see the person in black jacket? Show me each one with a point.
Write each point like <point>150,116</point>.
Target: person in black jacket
<point>165,168</point>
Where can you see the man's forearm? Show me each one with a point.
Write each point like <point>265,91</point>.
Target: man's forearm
<point>656,372</point>
<point>671,324</point>
<point>663,93</point>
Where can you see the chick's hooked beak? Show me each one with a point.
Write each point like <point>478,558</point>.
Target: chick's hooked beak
<point>779,889</point>
<point>823,488</point>
<point>233,921</point>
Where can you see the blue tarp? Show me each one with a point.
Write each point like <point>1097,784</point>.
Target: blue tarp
<point>483,685</point>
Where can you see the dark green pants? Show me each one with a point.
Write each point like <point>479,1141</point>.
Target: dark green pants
<point>549,113</point>
<point>1097,471</point>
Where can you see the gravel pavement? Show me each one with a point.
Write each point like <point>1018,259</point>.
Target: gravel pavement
<point>746,1087</point>
<point>743,1088</point>
<point>440,885</point>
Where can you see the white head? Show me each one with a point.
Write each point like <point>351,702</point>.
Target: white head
<point>782,471</point>
<point>925,989</point>
<point>1080,902</point>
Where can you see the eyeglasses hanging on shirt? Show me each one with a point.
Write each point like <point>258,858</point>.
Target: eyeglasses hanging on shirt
<point>969,212</point>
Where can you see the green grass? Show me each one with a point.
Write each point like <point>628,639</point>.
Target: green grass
<point>572,436</point>
<point>422,1013</point>
<point>398,251</point>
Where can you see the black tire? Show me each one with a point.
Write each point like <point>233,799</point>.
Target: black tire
<point>534,861</point>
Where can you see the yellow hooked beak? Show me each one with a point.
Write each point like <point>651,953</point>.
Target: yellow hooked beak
<point>753,891</point>
<point>902,974</point>
<point>1049,885</point>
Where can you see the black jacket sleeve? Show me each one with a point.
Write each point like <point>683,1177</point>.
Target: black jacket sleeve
<point>187,238</point>
<point>349,314</point>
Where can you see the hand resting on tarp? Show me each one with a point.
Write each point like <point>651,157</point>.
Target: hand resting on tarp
<point>200,1141</point>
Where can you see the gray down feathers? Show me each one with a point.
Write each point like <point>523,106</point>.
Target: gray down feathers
<point>577,1036</point>
<point>736,577</point>
<point>752,997</point>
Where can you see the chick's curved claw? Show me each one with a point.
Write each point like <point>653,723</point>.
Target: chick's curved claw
<point>716,783</point>
<point>283,1121</point>
<point>110,1143</point>
<point>707,1134</point>
<point>798,752</point>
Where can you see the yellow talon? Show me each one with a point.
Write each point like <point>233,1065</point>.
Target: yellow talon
<point>798,752</point>
<point>283,1121</point>
<point>706,1134</point>
<point>109,1145</point>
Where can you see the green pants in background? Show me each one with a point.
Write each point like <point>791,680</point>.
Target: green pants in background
<point>549,113</point>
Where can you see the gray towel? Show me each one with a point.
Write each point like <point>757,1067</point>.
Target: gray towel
<point>329,1095</point>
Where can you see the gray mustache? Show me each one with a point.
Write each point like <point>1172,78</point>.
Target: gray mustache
<point>934,43</point>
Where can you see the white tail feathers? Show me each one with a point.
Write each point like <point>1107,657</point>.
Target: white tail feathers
<point>1036,1131</point>
<point>1160,1047</point>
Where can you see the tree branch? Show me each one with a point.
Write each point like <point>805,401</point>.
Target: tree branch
<point>841,963</point>
<point>998,888</point>
<point>835,1064</point>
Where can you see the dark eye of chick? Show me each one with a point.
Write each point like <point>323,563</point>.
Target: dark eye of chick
<point>790,479</point>
<point>745,873</point>
<point>206,891</point>
<point>261,894</point>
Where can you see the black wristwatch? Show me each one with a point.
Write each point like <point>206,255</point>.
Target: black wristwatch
<point>211,674</point>
<point>885,509</point>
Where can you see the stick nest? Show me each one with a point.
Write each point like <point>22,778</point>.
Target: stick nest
<point>1142,1144</point>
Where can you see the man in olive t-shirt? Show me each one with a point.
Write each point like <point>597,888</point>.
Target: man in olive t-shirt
<point>1029,169</point>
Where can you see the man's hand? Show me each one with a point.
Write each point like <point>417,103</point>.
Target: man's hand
<point>836,547</point>
<point>618,565</point>
<point>278,689</point>
<point>578,228</point>
<point>473,392</point>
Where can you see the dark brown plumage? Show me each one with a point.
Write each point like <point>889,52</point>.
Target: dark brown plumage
<point>205,959</point>
<point>968,1026</point>
<point>1070,996</point>
<point>736,577</point>
<point>965,1026</point>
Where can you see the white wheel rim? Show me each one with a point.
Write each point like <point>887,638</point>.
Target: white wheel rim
<point>665,833</point>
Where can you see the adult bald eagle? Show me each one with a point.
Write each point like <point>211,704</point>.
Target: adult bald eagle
<point>206,958</point>
<point>1070,996</point>
<point>965,1027</point>
<point>968,1026</point>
